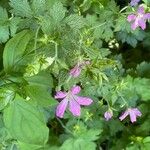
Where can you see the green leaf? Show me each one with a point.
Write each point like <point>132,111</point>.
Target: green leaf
<point>143,69</point>
<point>25,122</point>
<point>39,89</point>
<point>57,12</point>
<point>14,25</point>
<point>6,96</point>
<point>78,144</point>
<point>40,95</point>
<point>4,30</point>
<point>38,6</point>
<point>146,140</point>
<point>26,146</point>
<point>104,31</point>
<point>47,24</point>
<point>142,86</point>
<point>21,8</point>
<point>42,79</point>
<point>14,50</point>
<point>75,21</point>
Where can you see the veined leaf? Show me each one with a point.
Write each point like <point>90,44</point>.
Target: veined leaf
<point>4,31</point>
<point>21,8</point>
<point>57,12</point>
<point>142,86</point>
<point>14,50</point>
<point>40,95</point>
<point>25,122</point>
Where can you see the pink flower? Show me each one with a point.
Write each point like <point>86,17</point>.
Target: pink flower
<point>71,100</point>
<point>76,70</point>
<point>108,115</point>
<point>134,2</point>
<point>139,19</point>
<point>132,112</point>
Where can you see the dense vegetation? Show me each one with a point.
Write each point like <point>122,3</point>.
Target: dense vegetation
<point>74,75</point>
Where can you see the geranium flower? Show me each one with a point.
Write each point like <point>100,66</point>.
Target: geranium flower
<point>108,115</point>
<point>132,112</point>
<point>134,2</point>
<point>139,19</point>
<point>71,100</point>
<point>76,70</point>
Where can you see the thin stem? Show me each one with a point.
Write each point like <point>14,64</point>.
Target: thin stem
<point>36,36</point>
<point>97,26</point>
<point>123,99</point>
<point>123,9</point>
<point>64,126</point>
<point>68,79</point>
<point>56,47</point>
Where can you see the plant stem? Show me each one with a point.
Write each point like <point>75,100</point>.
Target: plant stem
<point>36,36</point>
<point>64,126</point>
<point>56,48</point>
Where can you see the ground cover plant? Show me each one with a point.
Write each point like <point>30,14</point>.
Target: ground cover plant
<point>74,75</point>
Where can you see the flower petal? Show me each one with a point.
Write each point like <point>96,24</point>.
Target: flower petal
<point>61,108</point>
<point>141,10</point>
<point>147,16</point>
<point>75,89</point>
<point>75,72</point>
<point>83,100</point>
<point>131,17</point>
<point>142,23</point>
<point>134,25</point>
<point>132,115</point>
<point>108,115</point>
<point>124,115</point>
<point>60,94</point>
<point>137,112</point>
<point>134,2</point>
<point>74,107</point>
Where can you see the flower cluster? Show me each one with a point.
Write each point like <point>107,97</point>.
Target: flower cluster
<point>132,112</point>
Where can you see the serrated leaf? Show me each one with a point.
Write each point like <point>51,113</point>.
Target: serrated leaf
<point>143,69</point>
<point>14,25</point>
<point>57,12</point>
<point>38,6</point>
<point>75,21</point>
<point>21,8</point>
<point>142,86</point>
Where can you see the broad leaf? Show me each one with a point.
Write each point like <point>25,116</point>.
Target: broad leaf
<point>14,50</point>
<point>25,122</point>
<point>4,30</point>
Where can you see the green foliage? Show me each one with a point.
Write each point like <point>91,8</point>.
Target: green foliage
<point>40,42</point>
<point>4,34</point>
<point>57,12</point>
<point>21,8</point>
<point>14,51</point>
<point>143,88</point>
<point>85,140</point>
<point>23,120</point>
